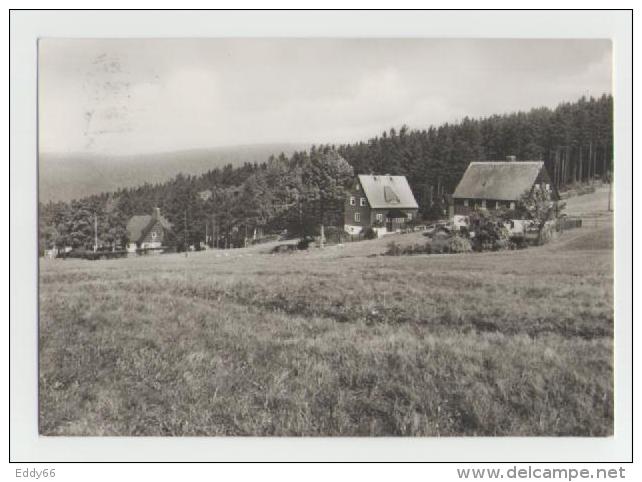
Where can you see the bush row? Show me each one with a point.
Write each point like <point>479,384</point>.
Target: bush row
<point>454,244</point>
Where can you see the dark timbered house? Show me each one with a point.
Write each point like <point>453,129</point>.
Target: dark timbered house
<point>385,203</point>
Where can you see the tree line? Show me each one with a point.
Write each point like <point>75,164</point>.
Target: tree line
<point>227,206</point>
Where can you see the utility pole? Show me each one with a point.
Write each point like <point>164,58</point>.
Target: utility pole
<point>569,155</point>
<point>580,159</point>
<point>591,161</point>
<point>185,232</point>
<point>561,173</point>
<point>555,169</point>
<point>95,233</point>
<point>580,164</point>
<point>214,233</point>
<point>610,190</point>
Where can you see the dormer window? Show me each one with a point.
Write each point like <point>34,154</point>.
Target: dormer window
<point>390,196</point>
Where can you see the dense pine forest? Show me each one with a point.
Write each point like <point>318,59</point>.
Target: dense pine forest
<point>231,204</point>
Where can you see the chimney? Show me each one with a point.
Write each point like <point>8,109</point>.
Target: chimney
<point>156,214</point>
<point>511,158</point>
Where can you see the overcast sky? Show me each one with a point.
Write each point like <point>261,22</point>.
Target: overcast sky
<point>153,95</point>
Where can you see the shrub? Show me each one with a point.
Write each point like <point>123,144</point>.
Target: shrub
<point>284,248</point>
<point>334,234</point>
<point>418,249</point>
<point>369,233</point>
<point>502,244</point>
<point>82,254</point>
<point>412,224</point>
<point>488,231</point>
<point>303,244</point>
<point>440,243</point>
<point>457,244</point>
<point>408,249</point>
<point>394,249</point>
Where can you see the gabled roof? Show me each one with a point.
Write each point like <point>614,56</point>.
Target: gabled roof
<point>138,226</point>
<point>498,180</point>
<point>387,191</point>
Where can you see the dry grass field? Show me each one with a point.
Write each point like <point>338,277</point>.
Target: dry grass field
<point>332,342</point>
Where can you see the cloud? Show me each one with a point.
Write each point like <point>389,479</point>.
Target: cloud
<point>151,95</point>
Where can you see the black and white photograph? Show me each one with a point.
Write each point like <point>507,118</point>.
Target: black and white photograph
<point>325,237</point>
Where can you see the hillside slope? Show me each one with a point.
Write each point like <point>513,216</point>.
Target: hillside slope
<point>72,176</point>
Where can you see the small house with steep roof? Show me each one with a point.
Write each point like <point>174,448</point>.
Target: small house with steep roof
<point>383,202</point>
<point>147,232</point>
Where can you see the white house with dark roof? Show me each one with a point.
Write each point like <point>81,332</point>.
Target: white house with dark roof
<point>498,185</point>
<point>383,202</point>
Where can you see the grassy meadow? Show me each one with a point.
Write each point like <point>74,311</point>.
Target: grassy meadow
<point>337,341</point>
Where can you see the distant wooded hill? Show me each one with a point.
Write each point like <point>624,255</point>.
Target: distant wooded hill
<point>64,177</point>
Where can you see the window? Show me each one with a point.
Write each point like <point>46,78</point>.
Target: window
<point>362,201</point>
<point>512,205</point>
<point>483,206</point>
<point>357,217</point>
<point>548,187</point>
<point>409,216</point>
<point>357,187</point>
<point>466,202</point>
<point>536,186</point>
<point>353,201</point>
<point>498,205</point>
<point>153,234</point>
<point>379,217</point>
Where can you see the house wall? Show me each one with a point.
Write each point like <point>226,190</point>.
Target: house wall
<point>396,224</point>
<point>154,237</point>
<point>543,178</point>
<point>475,204</point>
<point>349,211</point>
<point>369,219</point>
